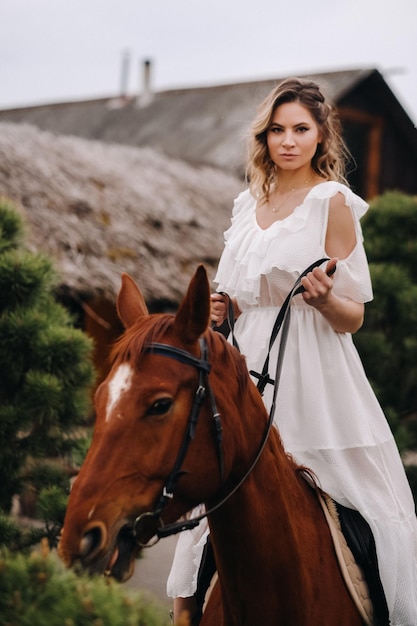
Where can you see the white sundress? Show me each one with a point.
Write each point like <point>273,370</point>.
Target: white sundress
<point>327,414</point>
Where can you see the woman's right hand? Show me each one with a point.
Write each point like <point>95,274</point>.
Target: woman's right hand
<point>218,308</point>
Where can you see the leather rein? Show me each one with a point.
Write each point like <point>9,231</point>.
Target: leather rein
<point>203,391</point>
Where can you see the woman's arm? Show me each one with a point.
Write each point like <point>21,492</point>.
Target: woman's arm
<point>342,315</point>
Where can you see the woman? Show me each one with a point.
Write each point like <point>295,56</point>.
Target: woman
<point>297,209</point>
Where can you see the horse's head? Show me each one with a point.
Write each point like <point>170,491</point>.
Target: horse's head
<point>143,413</point>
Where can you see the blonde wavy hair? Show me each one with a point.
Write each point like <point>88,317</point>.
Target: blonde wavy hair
<point>331,156</point>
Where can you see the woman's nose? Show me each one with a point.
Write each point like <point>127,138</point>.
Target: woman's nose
<point>288,139</point>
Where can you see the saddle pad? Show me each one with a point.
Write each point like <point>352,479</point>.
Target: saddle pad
<point>352,573</point>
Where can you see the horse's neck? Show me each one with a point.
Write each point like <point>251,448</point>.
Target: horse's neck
<point>262,524</point>
<point>273,493</point>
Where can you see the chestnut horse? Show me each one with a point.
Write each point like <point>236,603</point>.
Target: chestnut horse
<point>157,452</point>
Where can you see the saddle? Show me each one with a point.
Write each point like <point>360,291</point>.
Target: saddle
<point>355,549</point>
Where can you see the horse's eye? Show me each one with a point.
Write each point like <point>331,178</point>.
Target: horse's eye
<point>160,407</point>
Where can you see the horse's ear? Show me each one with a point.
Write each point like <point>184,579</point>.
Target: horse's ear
<point>130,303</point>
<point>193,315</point>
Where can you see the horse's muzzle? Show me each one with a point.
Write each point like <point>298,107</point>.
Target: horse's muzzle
<point>98,555</point>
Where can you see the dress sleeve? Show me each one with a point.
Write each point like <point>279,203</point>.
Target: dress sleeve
<point>352,279</point>
<point>228,270</point>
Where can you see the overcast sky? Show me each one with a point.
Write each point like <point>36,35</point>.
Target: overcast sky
<point>59,50</point>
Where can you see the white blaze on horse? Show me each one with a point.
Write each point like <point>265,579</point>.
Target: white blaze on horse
<point>157,435</point>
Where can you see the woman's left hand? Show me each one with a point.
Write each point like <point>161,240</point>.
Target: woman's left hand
<point>344,316</point>
<point>318,284</point>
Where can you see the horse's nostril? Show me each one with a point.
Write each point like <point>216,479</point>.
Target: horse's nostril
<point>91,541</point>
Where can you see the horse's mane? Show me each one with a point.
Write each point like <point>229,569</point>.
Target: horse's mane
<point>230,357</point>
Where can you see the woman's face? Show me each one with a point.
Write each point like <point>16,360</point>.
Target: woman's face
<point>292,137</point>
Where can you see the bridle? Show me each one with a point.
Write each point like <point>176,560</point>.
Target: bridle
<point>203,391</point>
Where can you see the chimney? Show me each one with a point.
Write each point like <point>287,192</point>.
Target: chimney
<point>124,74</point>
<point>145,96</point>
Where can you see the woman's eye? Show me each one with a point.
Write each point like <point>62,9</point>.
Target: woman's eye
<point>160,407</point>
<point>302,129</point>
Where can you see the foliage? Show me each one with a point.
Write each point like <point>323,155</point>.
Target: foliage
<point>17,537</point>
<point>36,590</point>
<point>388,340</point>
<point>46,378</point>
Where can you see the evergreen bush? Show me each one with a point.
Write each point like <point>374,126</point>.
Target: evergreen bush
<point>387,341</point>
<point>45,384</point>
<point>37,590</point>
<point>391,327</point>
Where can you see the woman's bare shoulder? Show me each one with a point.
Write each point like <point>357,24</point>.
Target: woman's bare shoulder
<point>341,232</point>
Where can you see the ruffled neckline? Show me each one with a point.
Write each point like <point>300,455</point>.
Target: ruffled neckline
<point>250,251</point>
<point>297,218</point>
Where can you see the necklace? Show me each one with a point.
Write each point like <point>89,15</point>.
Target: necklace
<point>277,209</point>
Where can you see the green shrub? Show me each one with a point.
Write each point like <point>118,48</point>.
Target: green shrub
<point>47,376</point>
<point>14,536</point>
<point>37,590</point>
<point>387,341</point>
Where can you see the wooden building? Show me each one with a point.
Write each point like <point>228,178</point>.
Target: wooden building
<point>208,125</point>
